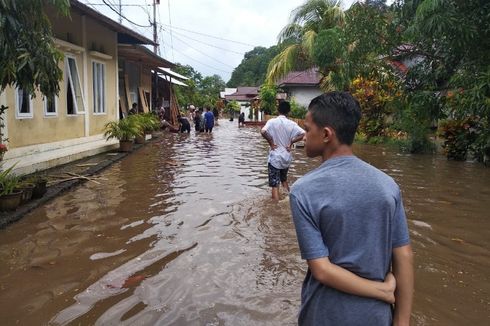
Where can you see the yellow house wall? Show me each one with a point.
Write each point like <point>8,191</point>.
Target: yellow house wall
<point>105,41</point>
<point>41,129</point>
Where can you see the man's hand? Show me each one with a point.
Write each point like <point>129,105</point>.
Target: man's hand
<point>390,286</point>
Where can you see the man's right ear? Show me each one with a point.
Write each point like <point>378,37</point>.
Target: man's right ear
<point>328,133</point>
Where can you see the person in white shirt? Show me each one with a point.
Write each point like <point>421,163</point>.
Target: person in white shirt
<point>281,133</point>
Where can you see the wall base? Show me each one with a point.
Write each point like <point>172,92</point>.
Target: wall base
<point>29,159</point>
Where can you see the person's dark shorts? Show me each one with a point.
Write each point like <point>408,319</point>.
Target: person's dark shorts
<point>276,176</point>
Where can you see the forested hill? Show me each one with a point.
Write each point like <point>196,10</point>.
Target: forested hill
<point>253,68</point>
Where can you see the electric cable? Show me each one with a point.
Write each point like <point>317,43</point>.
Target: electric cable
<point>124,17</point>
<point>207,55</point>
<point>208,44</point>
<point>208,35</point>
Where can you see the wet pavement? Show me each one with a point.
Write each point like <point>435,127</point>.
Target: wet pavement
<point>182,233</point>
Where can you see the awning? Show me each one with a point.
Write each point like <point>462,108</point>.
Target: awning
<point>172,73</point>
<point>172,80</point>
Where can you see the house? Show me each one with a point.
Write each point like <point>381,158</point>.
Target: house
<point>98,53</point>
<point>137,83</point>
<point>302,86</point>
<point>245,96</point>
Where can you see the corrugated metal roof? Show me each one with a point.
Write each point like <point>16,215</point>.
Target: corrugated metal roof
<point>139,53</point>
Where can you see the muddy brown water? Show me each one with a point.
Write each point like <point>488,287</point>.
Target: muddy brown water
<point>182,233</point>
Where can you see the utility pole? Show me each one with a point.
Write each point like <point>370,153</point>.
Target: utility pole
<point>120,12</point>
<point>155,47</point>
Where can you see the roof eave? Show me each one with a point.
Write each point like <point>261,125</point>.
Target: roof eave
<point>125,35</point>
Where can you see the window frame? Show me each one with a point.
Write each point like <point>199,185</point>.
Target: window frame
<point>21,115</point>
<point>45,106</point>
<point>100,87</point>
<point>69,80</point>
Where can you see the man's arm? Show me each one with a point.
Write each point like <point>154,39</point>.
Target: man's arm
<point>343,280</point>
<point>269,139</point>
<point>402,265</point>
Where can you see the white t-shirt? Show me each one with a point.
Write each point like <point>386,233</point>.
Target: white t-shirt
<point>283,131</point>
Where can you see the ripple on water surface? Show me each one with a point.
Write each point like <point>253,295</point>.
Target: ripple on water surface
<point>182,233</point>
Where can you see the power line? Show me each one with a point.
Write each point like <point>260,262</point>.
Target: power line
<point>212,36</point>
<point>202,63</point>
<point>124,17</point>
<point>122,4</point>
<point>171,36</point>
<point>208,44</point>
<point>225,64</point>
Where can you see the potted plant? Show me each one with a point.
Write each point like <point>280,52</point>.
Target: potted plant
<point>40,183</point>
<point>124,130</point>
<point>140,120</point>
<point>26,188</point>
<point>10,197</point>
<point>152,123</point>
<point>149,123</point>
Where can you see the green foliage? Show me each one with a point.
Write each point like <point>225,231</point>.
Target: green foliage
<point>124,130</point>
<point>327,56</point>
<point>201,91</point>
<point>8,181</point>
<point>459,135</point>
<point>297,111</point>
<point>147,122</point>
<point>28,57</point>
<point>301,33</point>
<point>233,106</point>
<point>268,100</point>
<point>253,68</point>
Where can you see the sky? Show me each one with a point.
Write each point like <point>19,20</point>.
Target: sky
<point>200,32</point>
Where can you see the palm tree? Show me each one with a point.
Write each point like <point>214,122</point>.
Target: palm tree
<point>306,22</point>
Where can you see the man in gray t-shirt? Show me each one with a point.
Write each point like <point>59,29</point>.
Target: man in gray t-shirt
<point>351,227</point>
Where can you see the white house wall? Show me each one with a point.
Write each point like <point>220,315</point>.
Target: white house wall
<point>303,95</point>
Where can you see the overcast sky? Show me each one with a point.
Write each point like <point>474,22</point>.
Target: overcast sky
<point>253,22</point>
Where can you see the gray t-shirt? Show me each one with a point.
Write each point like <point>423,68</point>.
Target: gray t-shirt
<point>353,213</point>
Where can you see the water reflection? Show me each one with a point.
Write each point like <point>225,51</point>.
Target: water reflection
<point>183,233</point>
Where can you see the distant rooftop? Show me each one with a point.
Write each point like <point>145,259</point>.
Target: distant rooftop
<point>243,93</point>
<point>310,77</point>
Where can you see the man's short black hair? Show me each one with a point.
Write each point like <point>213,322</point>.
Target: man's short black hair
<point>284,107</point>
<point>339,110</point>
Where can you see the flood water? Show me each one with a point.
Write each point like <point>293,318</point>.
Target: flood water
<point>182,232</point>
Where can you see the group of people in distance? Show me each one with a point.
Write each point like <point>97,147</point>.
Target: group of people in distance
<point>349,219</point>
<point>204,120</point>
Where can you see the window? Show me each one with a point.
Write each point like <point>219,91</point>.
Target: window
<point>23,104</point>
<point>74,96</point>
<point>98,73</point>
<point>50,105</point>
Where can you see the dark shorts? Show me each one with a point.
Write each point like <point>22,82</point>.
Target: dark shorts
<point>276,176</point>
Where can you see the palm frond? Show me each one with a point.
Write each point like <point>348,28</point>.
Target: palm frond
<point>290,31</point>
<point>308,41</point>
<point>283,63</point>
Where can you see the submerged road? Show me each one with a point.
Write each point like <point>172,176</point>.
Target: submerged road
<point>182,232</point>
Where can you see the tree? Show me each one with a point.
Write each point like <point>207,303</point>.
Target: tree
<point>268,102</point>
<point>28,57</point>
<point>307,21</point>
<point>190,94</point>
<point>200,91</point>
<point>209,90</point>
<point>253,68</point>
<point>453,39</point>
